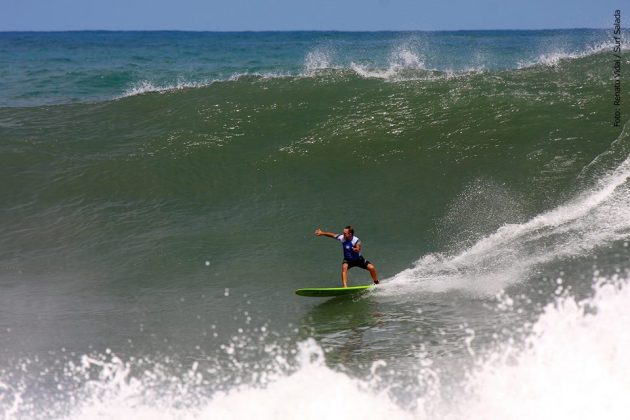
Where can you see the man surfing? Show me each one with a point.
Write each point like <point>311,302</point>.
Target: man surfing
<point>351,253</point>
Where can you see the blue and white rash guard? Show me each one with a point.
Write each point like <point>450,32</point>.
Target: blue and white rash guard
<point>349,254</point>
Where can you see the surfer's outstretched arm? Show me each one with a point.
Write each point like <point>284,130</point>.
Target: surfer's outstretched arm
<point>320,232</point>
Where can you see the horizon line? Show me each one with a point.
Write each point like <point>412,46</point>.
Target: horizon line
<point>298,30</point>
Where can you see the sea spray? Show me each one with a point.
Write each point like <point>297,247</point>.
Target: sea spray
<point>513,250</point>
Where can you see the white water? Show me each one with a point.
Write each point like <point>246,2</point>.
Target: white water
<point>573,365</point>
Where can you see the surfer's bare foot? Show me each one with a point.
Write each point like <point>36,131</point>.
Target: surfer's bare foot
<point>376,282</point>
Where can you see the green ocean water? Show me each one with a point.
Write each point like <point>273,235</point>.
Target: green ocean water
<point>178,223</point>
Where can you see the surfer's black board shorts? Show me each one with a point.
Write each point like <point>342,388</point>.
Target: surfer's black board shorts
<point>360,262</point>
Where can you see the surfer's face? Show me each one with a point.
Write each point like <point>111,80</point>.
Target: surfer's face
<point>347,235</point>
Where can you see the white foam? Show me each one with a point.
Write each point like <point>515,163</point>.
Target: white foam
<point>593,219</point>
<point>574,365</point>
<point>314,391</point>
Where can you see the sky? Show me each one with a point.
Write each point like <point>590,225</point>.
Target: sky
<point>282,15</point>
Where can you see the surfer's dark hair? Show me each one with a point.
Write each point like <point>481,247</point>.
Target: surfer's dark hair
<point>350,229</point>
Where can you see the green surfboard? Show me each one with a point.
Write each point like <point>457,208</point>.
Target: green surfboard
<point>331,291</point>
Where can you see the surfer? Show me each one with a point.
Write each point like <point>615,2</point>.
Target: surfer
<point>351,253</point>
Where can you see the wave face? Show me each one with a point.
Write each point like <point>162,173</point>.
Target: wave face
<point>156,222</point>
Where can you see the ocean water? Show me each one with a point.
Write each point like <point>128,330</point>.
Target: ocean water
<point>160,190</point>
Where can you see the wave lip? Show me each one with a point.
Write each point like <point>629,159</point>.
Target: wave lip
<point>146,86</point>
<point>554,58</point>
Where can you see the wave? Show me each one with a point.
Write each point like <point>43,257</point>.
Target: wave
<point>403,65</point>
<point>138,69</point>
